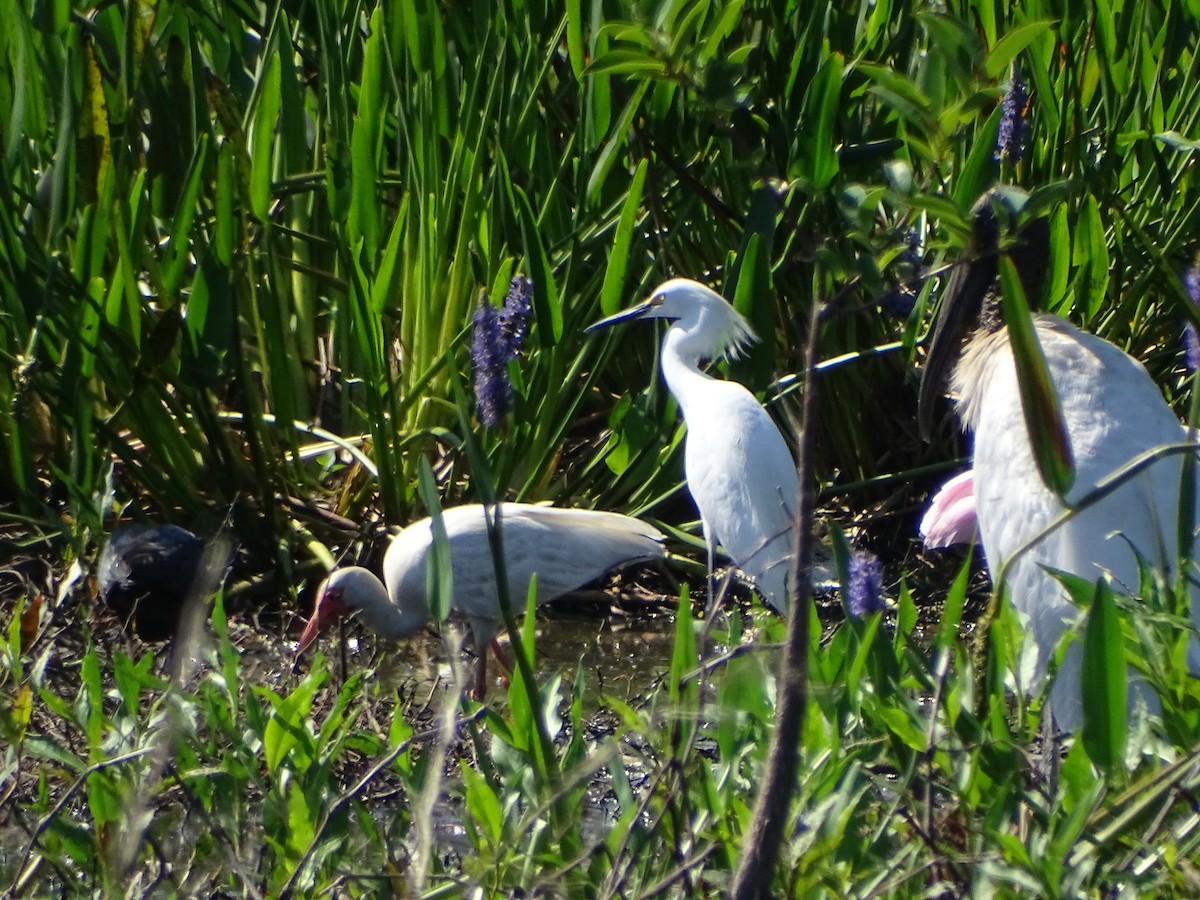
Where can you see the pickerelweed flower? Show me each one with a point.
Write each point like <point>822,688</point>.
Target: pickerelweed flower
<point>866,585</point>
<point>514,318</point>
<point>496,338</point>
<point>489,359</point>
<point>1014,124</point>
<point>1191,340</point>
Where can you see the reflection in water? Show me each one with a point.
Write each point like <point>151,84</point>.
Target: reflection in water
<point>622,659</point>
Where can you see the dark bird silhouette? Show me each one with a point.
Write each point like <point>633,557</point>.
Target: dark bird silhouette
<point>146,574</point>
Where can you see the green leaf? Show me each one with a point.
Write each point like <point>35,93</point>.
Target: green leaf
<point>546,305</point>
<point>575,50</point>
<point>365,212</point>
<point>754,300</point>
<point>287,723</point>
<point>1011,44</point>
<point>483,807</point>
<point>617,139</point>
<point>1105,682</point>
<point>185,215</point>
<point>822,105</point>
<point>951,618</point>
<point>684,658</point>
<point>627,62</point>
<point>262,140</point>
<point>979,172</point>
<point>1039,401</point>
<point>1092,258</point>
<point>618,258</point>
<point>439,572</point>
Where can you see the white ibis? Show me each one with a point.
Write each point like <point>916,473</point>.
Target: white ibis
<point>565,548</point>
<point>739,469</point>
<point>1112,413</point>
<point>145,574</point>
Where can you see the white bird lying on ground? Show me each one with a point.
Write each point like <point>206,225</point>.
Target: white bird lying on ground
<point>565,548</point>
<point>1112,411</point>
<point>739,469</point>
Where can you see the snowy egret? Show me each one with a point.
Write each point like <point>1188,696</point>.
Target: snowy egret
<point>1112,413</point>
<point>144,575</point>
<point>739,469</point>
<point>565,548</point>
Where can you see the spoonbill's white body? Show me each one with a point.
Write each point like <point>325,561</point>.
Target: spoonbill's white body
<point>1112,412</point>
<point>739,469</point>
<point>565,548</point>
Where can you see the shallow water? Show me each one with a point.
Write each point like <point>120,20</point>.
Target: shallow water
<point>622,659</point>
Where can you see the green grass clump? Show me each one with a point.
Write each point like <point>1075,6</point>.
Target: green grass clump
<point>920,775</point>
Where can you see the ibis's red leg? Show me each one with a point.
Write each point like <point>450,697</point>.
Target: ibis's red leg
<point>479,691</point>
<point>503,660</point>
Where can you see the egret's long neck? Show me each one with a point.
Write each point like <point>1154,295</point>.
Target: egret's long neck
<point>681,355</point>
<point>384,615</point>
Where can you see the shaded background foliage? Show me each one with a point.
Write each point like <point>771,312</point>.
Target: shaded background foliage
<point>226,227</point>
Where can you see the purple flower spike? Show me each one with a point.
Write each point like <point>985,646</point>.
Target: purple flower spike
<point>1014,126</point>
<point>1191,339</point>
<point>866,585</point>
<point>514,318</point>
<point>496,338</point>
<point>489,359</point>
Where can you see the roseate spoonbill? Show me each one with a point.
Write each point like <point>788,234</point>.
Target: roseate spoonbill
<point>1112,413</point>
<point>950,518</point>
<point>565,548</point>
<point>739,469</point>
<point>144,575</point>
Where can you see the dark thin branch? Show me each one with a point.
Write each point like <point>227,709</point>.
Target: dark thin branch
<point>760,848</point>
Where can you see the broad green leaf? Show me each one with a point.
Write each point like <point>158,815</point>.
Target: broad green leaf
<point>300,820</point>
<point>979,173</point>
<point>754,299</point>
<point>263,140</point>
<point>626,62</point>
<point>93,140</point>
<point>225,233</point>
<point>1039,400</point>
<point>438,569</point>
<point>483,807</point>
<point>575,53</point>
<point>1104,679</point>
<point>822,106</point>
<point>1091,257</point>
<point>365,212</point>
<point>617,139</point>
<point>185,215</point>
<point>1009,46</point>
<point>618,259</point>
